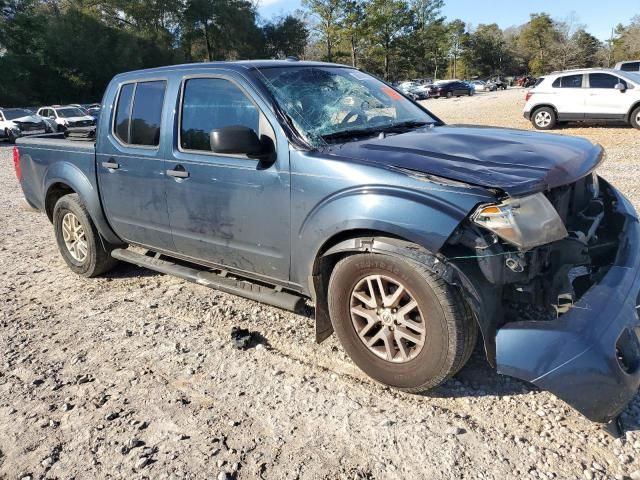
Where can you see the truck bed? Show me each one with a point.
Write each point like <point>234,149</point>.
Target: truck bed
<point>46,159</point>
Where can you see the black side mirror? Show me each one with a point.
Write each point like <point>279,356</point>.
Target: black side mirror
<point>238,139</point>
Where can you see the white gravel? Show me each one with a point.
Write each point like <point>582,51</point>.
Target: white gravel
<point>133,375</point>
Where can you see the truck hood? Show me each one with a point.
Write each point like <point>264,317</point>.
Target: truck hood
<point>517,162</point>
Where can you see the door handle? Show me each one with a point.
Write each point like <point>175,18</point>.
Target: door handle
<point>178,172</point>
<point>111,164</point>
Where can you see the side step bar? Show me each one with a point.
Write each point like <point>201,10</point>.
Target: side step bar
<point>242,288</point>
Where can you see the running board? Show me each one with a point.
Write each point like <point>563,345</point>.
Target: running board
<point>241,288</point>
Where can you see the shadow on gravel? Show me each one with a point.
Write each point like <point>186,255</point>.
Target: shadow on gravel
<point>478,379</point>
<point>129,270</point>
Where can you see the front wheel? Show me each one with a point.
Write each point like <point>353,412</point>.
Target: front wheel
<point>400,324</point>
<point>79,242</point>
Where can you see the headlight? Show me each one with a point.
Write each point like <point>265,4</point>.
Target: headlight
<point>524,222</point>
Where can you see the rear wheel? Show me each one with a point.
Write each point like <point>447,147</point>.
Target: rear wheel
<point>400,324</point>
<point>635,118</point>
<point>11,136</point>
<point>544,118</point>
<point>81,246</point>
<point>449,94</point>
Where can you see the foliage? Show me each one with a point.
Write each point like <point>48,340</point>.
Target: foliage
<point>57,51</point>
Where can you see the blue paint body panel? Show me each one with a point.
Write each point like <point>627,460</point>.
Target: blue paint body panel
<point>271,220</point>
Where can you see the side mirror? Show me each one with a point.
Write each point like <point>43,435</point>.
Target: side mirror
<point>238,139</point>
<point>620,86</point>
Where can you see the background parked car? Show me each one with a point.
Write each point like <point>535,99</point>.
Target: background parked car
<point>450,88</point>
<point>499,83</point>
<point>19,122</point>
<point>415,90</point>
<point>70,119</point>
<point>594,94</point>
<point>480,86</point>
<point>628,66</point>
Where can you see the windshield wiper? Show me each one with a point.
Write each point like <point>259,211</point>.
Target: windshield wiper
<point>402,126</point>
<point>355,132</point>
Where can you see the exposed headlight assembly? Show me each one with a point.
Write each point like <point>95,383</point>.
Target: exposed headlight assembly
<point>525,222</point>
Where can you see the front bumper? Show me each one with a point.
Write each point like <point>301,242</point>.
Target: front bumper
<point>590,356</point>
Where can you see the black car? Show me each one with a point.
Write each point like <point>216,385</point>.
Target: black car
<point>453,88</point>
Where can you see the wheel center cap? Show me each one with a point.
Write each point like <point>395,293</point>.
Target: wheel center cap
<point>386,317</point>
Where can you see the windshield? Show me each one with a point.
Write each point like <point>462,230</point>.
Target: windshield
<point>634,77</point>
<point>69,112</point>
<point>327,103</point>
<point>17,113</point>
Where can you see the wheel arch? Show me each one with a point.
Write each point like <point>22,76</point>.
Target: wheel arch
<point>633,107</point>
<point>537,107</point>
<point>64,178</point>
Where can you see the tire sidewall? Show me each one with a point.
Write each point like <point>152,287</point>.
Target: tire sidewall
<point>67,205</point>
<point>634,115</point>
<point>430,362</point>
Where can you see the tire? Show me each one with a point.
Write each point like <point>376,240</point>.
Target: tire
<point>544,118</point>
<point>97,257</point>
<point>470,93</point>
<point>449,94</point>
<point>11,137</point>
<point>449,331</point>
<point>634,119</point>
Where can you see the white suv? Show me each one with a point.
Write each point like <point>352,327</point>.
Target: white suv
<point>600,95</point>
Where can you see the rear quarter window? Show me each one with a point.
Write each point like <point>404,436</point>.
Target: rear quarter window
<point>568,81</point>
<point>630,67</point>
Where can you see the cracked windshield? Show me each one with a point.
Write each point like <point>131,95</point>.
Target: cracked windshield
<point>333,104</point>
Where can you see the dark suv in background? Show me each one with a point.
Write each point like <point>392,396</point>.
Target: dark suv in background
<point>450,88</point>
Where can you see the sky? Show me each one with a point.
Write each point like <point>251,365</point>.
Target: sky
<point>599,17</point>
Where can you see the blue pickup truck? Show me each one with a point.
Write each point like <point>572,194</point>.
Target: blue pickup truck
<point>284,181</point>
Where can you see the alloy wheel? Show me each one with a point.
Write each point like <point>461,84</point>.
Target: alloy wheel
<point>74,236</point>
<point>543,119</point>
<point>386,317</point>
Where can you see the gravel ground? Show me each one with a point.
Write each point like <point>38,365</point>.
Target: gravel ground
<point>133,375</point>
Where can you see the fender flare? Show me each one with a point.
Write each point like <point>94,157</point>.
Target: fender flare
<point>466,277</point>
<point>70,175</point>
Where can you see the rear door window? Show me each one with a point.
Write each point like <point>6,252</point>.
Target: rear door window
<point>568,81</point>
<point>211,103</point>
<point>139,113</point>
<point>146,114</point>
<point>604,80</point>
<point>630,67</point>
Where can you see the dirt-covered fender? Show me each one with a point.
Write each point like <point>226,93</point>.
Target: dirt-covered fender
<point>66,173</point>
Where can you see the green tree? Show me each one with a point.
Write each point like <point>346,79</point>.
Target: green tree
<point>328,17</point>
<point>388,23</point>
<point>352,28</point>
<point>285,37</point>
<point>538,38</point>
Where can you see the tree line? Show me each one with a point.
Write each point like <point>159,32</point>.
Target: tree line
<point>58,51</point>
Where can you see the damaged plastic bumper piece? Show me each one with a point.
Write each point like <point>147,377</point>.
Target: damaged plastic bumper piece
<point>590,356</point>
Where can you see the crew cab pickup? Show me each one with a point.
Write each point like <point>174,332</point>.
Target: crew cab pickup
<point>284,181</point>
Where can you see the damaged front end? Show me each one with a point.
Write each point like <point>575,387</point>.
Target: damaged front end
<point>558,306</point>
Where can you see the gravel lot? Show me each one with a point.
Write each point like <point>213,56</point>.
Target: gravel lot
<point>133,375</point>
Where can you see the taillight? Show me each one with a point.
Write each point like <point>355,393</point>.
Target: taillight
<point>528,96</point>
<point>16,163</point>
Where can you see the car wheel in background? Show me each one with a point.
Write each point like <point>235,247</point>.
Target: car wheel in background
<point>400,323</point>
<point>11,136</point>
<point>449,94</point>
<point>470,93</point>
<point>544,118</point>
<point>635,118</point>
<point>81,246</point>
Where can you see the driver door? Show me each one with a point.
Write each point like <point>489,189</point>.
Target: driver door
<point>228,209</point>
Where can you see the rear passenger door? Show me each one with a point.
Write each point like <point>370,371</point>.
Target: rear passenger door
<point>131,167</point>
<point>569,96</point>
<point>227,209</point>
<point>604,101</point>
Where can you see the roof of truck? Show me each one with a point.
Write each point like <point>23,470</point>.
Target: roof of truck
<point>236,65</point>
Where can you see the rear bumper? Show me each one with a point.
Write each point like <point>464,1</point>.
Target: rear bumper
<point>526,114</point>
<point>590,356</point>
